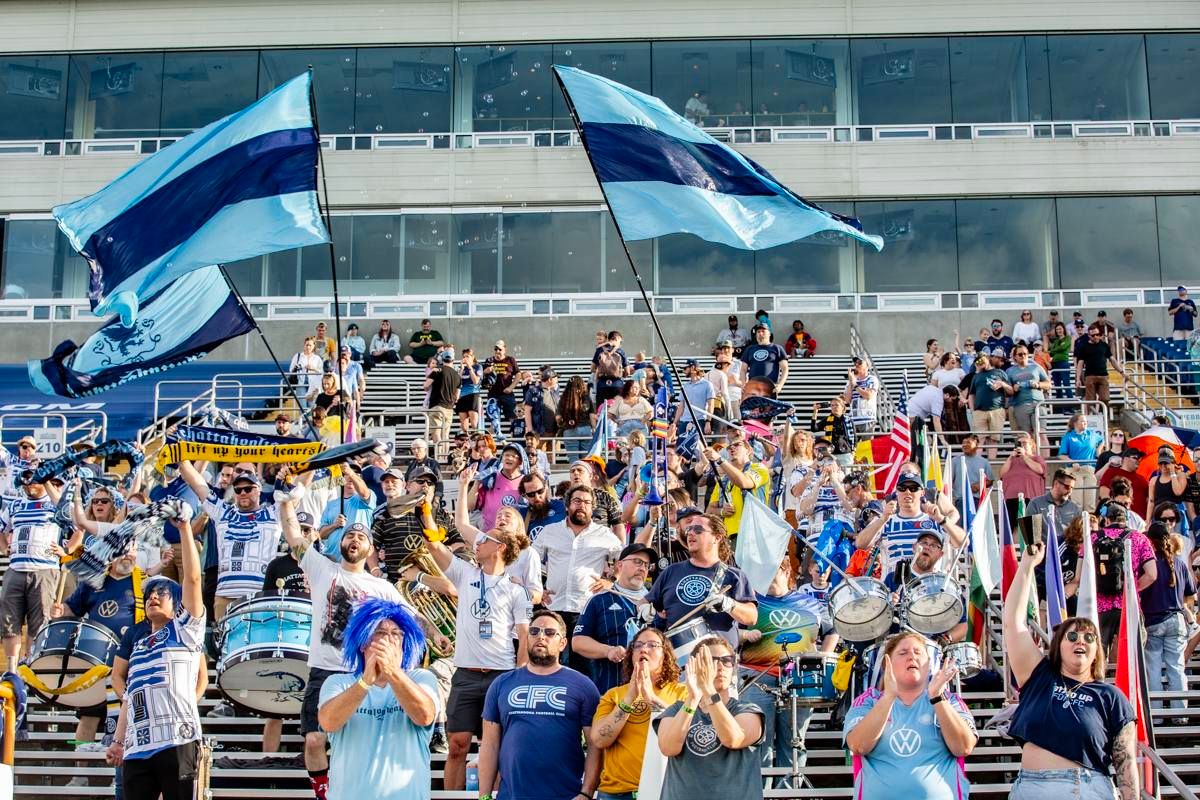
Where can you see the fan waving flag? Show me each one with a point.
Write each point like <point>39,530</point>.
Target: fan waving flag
<point>240,187</point>
<point>185,321</point>
<point>1056,593</point>
<point>661,174</point>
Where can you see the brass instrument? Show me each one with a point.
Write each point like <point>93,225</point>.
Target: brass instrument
<point>440,610</point>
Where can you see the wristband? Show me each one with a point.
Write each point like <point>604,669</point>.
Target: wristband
<point>688,709</point>
<point>627,709</point>
<point>485,797</point>
<point>366,687</point>
<point>935,700</point>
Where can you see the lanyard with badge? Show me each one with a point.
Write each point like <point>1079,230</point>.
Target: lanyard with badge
<point>481,609</point>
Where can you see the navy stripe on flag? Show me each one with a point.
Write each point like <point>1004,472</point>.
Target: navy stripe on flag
<point>275,163</point>
<point>625,153</point>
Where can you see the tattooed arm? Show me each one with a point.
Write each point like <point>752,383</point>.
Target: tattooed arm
<point>1125,763</point>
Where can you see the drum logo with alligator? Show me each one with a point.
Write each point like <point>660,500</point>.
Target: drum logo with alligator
<point>693,589</point>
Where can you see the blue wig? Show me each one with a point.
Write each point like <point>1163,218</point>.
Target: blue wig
<point>174,588</point>
<point>366,619</point>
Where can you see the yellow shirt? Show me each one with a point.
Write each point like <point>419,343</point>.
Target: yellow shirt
<point>762,478</point>
<point>622,766</point>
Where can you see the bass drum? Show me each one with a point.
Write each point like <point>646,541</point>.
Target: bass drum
<point>63,652</point>
<point>264,655</point>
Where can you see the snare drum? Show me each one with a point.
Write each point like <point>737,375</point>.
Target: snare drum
<point>64,650</point>
<point>932,604</point>
<point>685,637</point>
<point>873,661</point>
<point>967,656</point>
<point>861,611</point>
<point>264,654</point>
<point>812,679</point>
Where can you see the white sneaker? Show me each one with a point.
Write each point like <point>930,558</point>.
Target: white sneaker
<point>78,780</point>
<point>90,747</point>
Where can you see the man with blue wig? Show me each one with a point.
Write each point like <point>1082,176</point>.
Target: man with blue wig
<point>379,716</point>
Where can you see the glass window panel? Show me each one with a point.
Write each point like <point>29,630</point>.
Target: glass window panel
<point>901,81</point>
<point>1037,72</point>
<point>33,96</point>
<point>708,82</point>
<point>690,265</point>
<point>403,90</point>
<point>115,95</point>
<point>988,79</point>
<point>504,88</point>
<point>1006,244</point>
<point>824,262</point>
<point>333,81</point>
<point>1099,77</point>
<point>1107,241</point>
<point>247,275</point>
<point>315,280</point>
<point>283,274</point>
<point>199,88</point>
<point>576,251</point>
<point>618,277</point>
<point>1179,239</point>
<point>528,254</point>
<point>623,62</point>
<point>1173,60</point>
<point>428,244</point>
<point>919,253</point>
<point>38,262</point>
<point>801,82</point>
<point>478,243</point>
<point>375,265</point>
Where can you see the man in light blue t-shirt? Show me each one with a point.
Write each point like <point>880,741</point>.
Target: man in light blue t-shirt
<point>379,716</point>
<point>355,506</point>
<point>1027,386</point>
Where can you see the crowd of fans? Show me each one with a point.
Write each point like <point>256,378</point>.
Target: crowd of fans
<point>596,608</point>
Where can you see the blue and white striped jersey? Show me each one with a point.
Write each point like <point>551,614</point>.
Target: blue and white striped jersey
<point>31,529</point>
<point>246,543</point>
<point>900,534</point>
<point>163,669</point>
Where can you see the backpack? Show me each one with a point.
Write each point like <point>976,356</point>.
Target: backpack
<point>1110,563</point>
<point>608,364</point>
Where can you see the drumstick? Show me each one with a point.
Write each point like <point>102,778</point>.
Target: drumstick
<point>62,585</point>
<point>697,609</point>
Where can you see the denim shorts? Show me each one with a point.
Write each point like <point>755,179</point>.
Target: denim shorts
<point>1062,784</point>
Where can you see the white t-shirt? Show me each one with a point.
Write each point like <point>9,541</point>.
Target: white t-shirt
<point>926,403</point>
<point>31,531</point>
<point>334,592</point>
<point>526,571</point>
<point>798,473</point>
<point>163,668</point>
<point>487,617</point>
<point>246,544</point>
<point>1027,332</point>
<point>942,378</point>
<point>317,496</point>
<point>574,562</point>
<point>862,409</point>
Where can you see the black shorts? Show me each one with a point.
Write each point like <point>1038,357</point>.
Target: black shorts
<point>467,403</point>
<point>170,772</point>
<point>468,690</point>
<point>312,699</point>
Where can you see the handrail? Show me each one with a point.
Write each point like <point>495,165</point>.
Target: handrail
<point>884,407</point>
<point>1168,774</point>
<point>8,707</point>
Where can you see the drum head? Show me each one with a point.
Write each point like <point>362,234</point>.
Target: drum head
<point>269,681</point>
<point>49,670</point>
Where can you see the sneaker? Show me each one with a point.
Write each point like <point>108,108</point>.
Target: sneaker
<point>78,780</point>
<point>90,747</point>
<point>222,710</point>
<point>437,743</point>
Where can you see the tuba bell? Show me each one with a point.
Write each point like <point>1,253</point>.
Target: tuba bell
<point>440,610</point>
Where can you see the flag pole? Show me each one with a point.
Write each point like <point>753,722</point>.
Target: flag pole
<point>637,276</point>
<point>274,359</point>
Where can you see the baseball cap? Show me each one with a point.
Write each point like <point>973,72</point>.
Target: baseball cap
<point>25,439</point>
<point>1166,457</point>
<point>856,360</point>
<point>422,472</point>
<point>447,356</point>
<point>283,417</point>
<point>760,327</point>
<point>359,527</point>
<point>499,343</point>
<point>636,548</point>
<point>691,362</point>
<point>855,479</point>
<point>1132,452</point>
<point>305,519</point>
<point>352,327</point>
<point>548,372</point>
<point>249,477</point>
<point>1181,288</point>
<point>392,473</point>
<point>936,533</point>
<point>1102,313</point>
<point>685,512</point>
<point>908,477</point>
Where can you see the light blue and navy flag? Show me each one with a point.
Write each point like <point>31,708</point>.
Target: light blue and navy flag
<point>1056,593</point>
<point>661,174</point>
<point>237,188</point>
<point>184,322</point>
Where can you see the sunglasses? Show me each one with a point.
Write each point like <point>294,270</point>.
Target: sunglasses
<point>549,633</point>
<point>490,538</point>
<point>908,487</point>
<point>1087,636</point>
<point>25,446</point>
<point>424,482</point>
<point>244,489</point>
<point>158,591</point>
<point>535,492</point>
<point>696,529</point>
<point>728,661</point>
<point>1168,519</point>
<point>101,501</point>
<point>237,471</point>
<point>648,645</point>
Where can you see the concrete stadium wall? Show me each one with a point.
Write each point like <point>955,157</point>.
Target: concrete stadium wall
<point>565,336</point>
<point>549,176</point>
<point>86,25</point>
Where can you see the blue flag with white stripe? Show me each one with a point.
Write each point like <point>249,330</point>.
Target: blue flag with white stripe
<point>240,187</point>
<point>661,174</point>
<point>184,322</point>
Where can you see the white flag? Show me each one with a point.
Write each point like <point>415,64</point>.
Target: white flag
<point>1085,602</point>
<point>985,548</point>
<point>762,541</point>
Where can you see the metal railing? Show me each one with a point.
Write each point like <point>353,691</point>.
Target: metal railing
<point>82,426</point>
<point>1163,771</point>
<point>885,408</point>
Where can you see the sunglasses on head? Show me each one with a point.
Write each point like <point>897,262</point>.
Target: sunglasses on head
<point>549,633</point>
<point>243,489</point>
<point>1087,636</point>
<point>25,446</point>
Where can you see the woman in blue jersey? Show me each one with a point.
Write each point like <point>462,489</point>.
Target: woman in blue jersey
<point>910,739</point>
<point>1073,727</point>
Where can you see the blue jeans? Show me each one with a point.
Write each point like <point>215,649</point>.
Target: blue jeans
<point>630,425</point>
<point>1062,784</point>
<point>618,796</point>
<point>1165,642</point>
<point>1060,376</point>
<point>776,747</point>
<point>577,441</point>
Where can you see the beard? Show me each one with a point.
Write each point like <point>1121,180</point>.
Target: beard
<point>580,517</point>
<point>542,660</point>
<point>344,549</point>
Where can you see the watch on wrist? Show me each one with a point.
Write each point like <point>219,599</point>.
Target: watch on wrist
<point>714,698</point>
<point>933,701</point>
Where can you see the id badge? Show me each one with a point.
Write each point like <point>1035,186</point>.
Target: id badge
<point>485,630</point>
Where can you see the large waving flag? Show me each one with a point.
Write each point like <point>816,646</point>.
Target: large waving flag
<point>1085,598</point>
<point>237,188</point>
<point>1056,593</point>
<point>761,543</point>
<point>985,567</point>
<point>185,321</point>
<point>901,441</point>
<point>1129,667</point>
<point>1008,548</point>
<point>661,174</point>
<point>1150,441</point>
<point>603,434</point>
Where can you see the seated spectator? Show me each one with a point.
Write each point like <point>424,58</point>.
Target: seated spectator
<point>1080,443</point>
<point>1026,330</point>
<point>424,343</point>
<point>356,343</point>
<point>800,343</point>
<point>734,337</point>
<point>385,347</point>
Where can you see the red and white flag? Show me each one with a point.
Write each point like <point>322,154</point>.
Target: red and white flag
<point>1129,671</point>
<point>900,441</point>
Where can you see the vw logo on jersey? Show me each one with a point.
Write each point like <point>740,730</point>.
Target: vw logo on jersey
<point>905,742</point>
<point>480,609</point>
<point>107,609</point>
<point>508,500</point>
<point>693,589</point>
<point>413,542</point>
<point>702,740</point>
<point>785,618</point>
<point>761,355</point>
<point>530,698</point>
